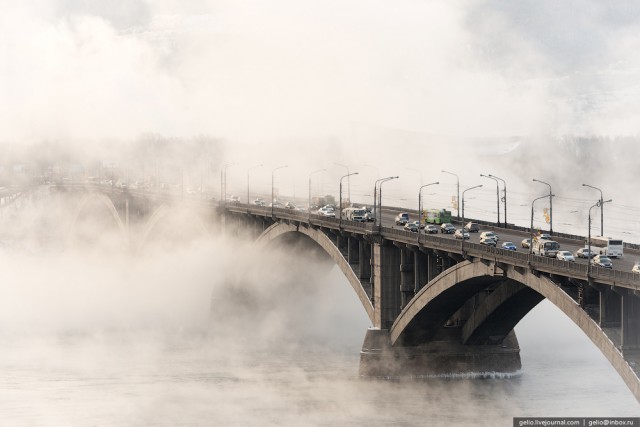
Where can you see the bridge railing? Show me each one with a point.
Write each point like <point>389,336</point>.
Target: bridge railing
<point>550,265</point>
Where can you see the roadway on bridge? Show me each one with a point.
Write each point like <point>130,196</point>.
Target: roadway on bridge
<point>623,264</point>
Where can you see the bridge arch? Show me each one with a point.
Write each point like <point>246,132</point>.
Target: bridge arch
<point>160,214</point>
<point>442,296</point>
<point>280,229</point>
<point>108,204</point>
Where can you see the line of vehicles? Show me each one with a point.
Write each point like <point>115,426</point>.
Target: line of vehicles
<point>434,221</point>
<point>599,253</point>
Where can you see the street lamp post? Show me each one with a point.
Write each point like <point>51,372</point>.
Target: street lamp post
<point>382,181</point>
<point>375,195</point>
<point>420,205</point>
<point>550,205</point>
<point>504,199</point>
<point>462,224</point>
<point>249,170</point>
<point>599,204</point>
<point>340,206</point>
<point>458,185</point>
<point>497,195</point>
<point>309,205</point>
<point>272,174</point>
<point>601,207</point>
<point>531,229</point>
<point>223,181</point>
<point>348,180</point>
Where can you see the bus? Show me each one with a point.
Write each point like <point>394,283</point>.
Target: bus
<point>354,214</point>
<point>545,247</point>
<point>436,216</point>
<point>608,246</point>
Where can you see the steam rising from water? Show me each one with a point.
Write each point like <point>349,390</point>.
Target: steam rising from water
<point>196,328</point>
<point>189,335</point>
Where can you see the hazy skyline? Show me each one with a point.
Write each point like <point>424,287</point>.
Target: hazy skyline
<point>297,72</point>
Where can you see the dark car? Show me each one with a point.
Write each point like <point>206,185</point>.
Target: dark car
<point>431,229</point>
<point>447,228</point>
<point>472,227</point>
<point>602,261</point>
<point>489,241</point>
<point>402,218</point>
<point>412,226</point>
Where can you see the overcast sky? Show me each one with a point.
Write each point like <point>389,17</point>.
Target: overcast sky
<point>251,70</point>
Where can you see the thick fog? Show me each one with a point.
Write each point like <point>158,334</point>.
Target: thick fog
<point>383,89</point>
<point>287,97</point>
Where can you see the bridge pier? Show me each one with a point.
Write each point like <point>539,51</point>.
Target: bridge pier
<point>438,358</point>
<point>386,284</point>
<point>364,254</point>
<point>433,267</point>
<point>407,280</point>
<point>610,308</point>
<point>630,320</point>
<point>420,270</point>
<point>353,251</point>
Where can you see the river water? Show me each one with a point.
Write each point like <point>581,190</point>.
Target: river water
<point>191,336</point>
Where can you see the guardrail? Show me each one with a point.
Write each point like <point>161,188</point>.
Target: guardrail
<point>550,265</point>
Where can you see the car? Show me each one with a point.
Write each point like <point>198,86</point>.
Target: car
<point>601,261</point>
<point>490,234</point>
<point>510,246</point>
<point>327,211</point>
<point>526,243</point>
<point>584,253</point>
<point>565,256</point>
<point>447,228</point>
<point>417,224</point>
<point>544,236</point>
<point>489,241</point>
<point>636,268</point>
<point>402,218</point>
<point>412,226</point>
<point>234,199</point>
<point>472,227</point>
<point>431,229</point>
<point>368,215</point>
<point>459,234</point>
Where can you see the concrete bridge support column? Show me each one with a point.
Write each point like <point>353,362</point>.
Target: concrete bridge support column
<point>630,321</point>
<point>407,281</point>
<point>341,243</point>
<point>353,251</point>
<point>364,250</point>
<point>386,284</point>
<point>433,268</point>
<point>610,308</point>
<point>420,270</point>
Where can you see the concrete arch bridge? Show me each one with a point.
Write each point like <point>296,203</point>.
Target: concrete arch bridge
<point>439,305</point>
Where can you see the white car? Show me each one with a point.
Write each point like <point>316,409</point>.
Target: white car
<point>636,268</point>
<point>327,211</point>
<point>565,256</point>
<point>459,234</point>
<point>489,235</point>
